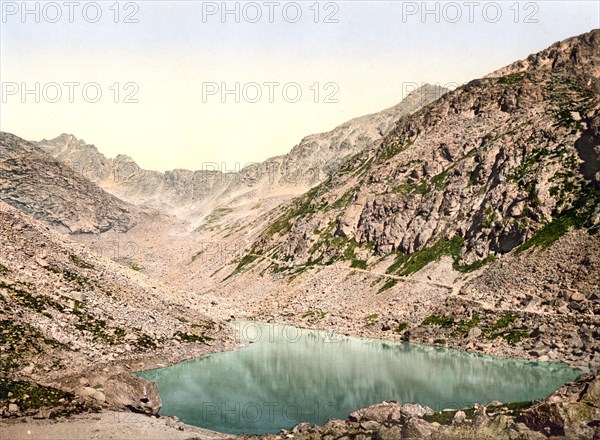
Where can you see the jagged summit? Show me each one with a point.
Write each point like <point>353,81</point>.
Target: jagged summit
<point>572,54</point>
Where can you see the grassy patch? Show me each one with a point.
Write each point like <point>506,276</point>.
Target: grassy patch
<point>424,186</point>
<point>512,409</point>
<point>405,265</point>
<point>345,200</point>
<point>246,260</point>
<point>474,265</point>
<point>318,314</point>
<point>569,97</point>
<point>145,342</point>
<point>351,256</point>
<point>501,329</point>
<point>73,277</point>
<point>39,303</point>
<point>464,325</point>
<point>442,321</point>
<point>99,329</point>
<point>401,327</point>
<point>513,337</point>
<point>371,320</point>
<point>504,322</point>
<point>512,78</point>
<point>490,217</point>
<point>190,337</point>
<point>206,325</point>
<point>389,283</point>
<point>391,149</point>
<point>302,206</point>
<point>550,232</point>
<point>213,218</point>
<point>80,263</point>
<point>16,340</point>
<point>446,417</point>
<point>32,396</point>
<point>359,264</point>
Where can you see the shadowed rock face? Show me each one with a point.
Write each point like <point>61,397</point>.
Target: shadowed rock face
<point>38,184</point>
<point>487,164</point>
<point>185,192</point>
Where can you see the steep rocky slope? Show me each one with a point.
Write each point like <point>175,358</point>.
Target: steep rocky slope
<point>75,325</point>
<point>36,183</point>
<point>80,323</point>
<point>498,164</point>
<point>195,193</point>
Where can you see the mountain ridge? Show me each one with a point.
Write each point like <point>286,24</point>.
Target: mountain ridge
<point>184,192</point>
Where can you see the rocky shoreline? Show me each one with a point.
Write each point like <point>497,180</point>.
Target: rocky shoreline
<point>571,412</point>
<point>111,392</point>
<point>105,402</point>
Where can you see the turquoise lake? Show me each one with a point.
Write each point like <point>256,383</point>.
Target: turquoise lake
<point>288,375</point>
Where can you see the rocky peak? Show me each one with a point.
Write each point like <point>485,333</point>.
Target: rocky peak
<point>572,54</point>
<point>36,183</point>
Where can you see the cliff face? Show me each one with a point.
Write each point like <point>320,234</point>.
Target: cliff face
<point>36,183</point>
<point>186,192</point>
<point>505,161</point>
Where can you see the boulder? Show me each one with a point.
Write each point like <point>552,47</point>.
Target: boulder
<point>415,410</point>
<point>336,427</point>
<point>128,391</point>
<point>591,393</point>
<point>474,333</point>
<point>380,412</point>
<point>559,419</point>
<point>459,418</point>
<point>99,396</point>
<point>577,297</point>
<point>417,428</point>
<point>85,391</point>
<point>370,425</point>
<point>393,432</point>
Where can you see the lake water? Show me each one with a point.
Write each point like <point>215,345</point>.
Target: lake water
<point>288,375</point>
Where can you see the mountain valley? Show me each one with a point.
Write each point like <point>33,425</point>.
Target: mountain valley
<point>464,219</point>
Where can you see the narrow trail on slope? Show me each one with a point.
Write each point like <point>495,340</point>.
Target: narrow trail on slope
<point>370,272</point>
<point>454,289</point>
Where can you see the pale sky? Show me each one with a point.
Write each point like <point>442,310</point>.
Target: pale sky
<point>174,53</point>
